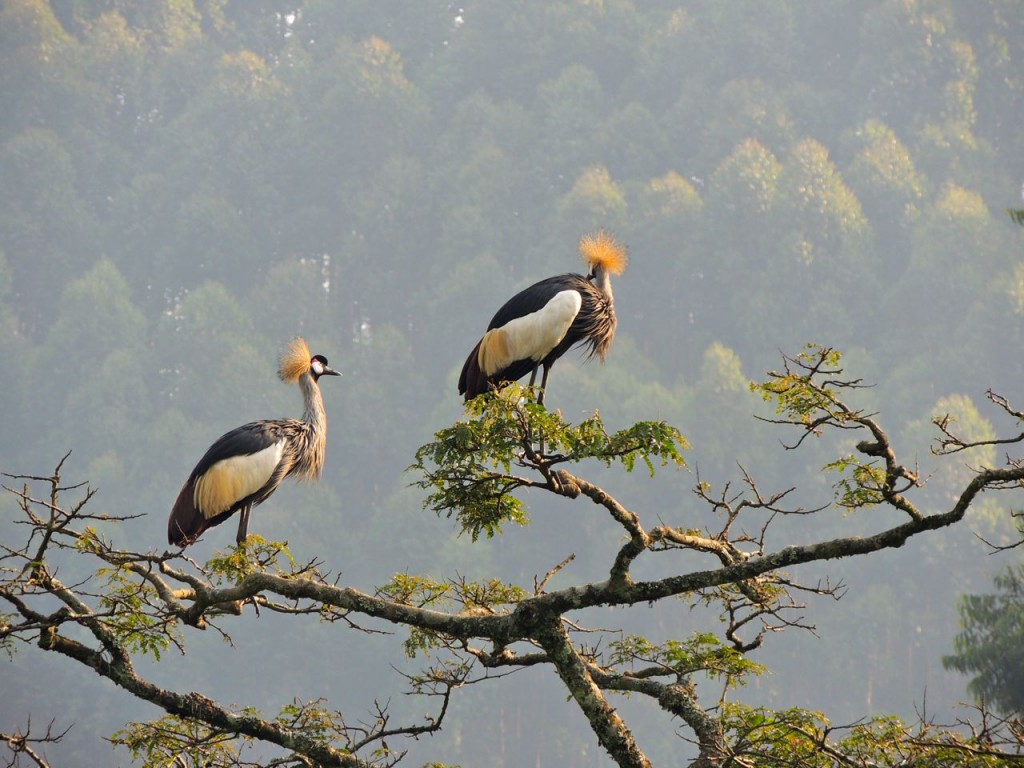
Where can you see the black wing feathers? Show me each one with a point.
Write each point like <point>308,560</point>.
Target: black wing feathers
<point>187,521</point>
<point>240,441</point>
<point>472,380</point>
<point>535,297</point>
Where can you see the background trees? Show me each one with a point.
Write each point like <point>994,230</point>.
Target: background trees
<point>186,185</point>
<point>988,646</point>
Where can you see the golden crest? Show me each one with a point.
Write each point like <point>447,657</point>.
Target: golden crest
<point>295,361</point>
<point>603,250</point>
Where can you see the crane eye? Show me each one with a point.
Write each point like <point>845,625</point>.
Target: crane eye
<point>317,366</point>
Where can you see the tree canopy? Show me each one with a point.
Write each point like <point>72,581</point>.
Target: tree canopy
<point>474,633</point>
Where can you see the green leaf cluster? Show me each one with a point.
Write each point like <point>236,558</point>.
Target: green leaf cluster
<point>800,737</point>
<point>469,469</point>
<point>254,555</point>
<point>6,641</point>
<point>126,601</point>
<point>701,652</point>
<point>797,394</point>
<point>420,591</point>
<point>470,598</point>
<point>862,483</point>
<point>172,740</point>
<point>310,718</point>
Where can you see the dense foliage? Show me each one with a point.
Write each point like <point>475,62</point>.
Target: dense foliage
<point>185,184</point>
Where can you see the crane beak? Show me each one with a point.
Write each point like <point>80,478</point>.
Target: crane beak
<point>330,372</point>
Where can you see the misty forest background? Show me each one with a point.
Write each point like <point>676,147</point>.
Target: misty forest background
<point>186,184</point>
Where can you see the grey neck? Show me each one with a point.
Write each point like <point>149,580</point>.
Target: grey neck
<point>314,412</point>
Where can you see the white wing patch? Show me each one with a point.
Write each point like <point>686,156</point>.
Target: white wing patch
<point>230,480</point>
<point>531,336</point>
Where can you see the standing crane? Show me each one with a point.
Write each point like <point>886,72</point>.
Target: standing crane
<point>243,467</point>
<point>541,323</point>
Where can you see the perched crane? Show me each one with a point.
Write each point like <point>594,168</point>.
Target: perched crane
<point>540,323</point>
<point>243,467</point>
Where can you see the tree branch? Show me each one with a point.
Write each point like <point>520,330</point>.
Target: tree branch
<point>611,730</point>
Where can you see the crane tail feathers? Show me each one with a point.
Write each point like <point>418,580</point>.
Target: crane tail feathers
<point>472,380</point>
<point>187,522</point>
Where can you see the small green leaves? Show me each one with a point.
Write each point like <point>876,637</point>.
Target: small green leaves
<point>310,718</point>
<point>702,652</point>
<point>468,468</point>
<point>489,595</point>
<point>129,615</point>
<point>800,737</point>
<point>861,485</point>
<point>784,737</point>
<point>796,393</point>
<point>475,598</point>
<point>6,639</point>
<point>172,740</point>
<point>646,440</point>
<point>254,555</point>
<point>420,591</point>
<point>472,463</point>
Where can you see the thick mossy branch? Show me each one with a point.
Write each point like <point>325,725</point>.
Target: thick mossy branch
<point>457,596</point>
<point>469,468</point>
<point>605,721</point>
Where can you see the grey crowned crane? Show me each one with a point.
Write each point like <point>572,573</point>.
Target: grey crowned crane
<point>541,323</point>
<point>243,467</point>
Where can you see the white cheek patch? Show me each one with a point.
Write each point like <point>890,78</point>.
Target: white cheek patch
<point>532,336</point>
<point>231,480</point>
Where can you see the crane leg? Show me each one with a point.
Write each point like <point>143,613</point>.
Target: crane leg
<point>243,524</point>
<point>540,401</point>
<point>543,384</point>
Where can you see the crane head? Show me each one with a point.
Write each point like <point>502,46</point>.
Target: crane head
<point>318,367</point>
<point>603,253</point>
<point>297,361</point>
